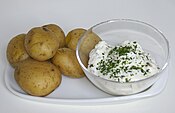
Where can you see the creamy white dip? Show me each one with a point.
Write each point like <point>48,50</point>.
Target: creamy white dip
<point>123,63</point>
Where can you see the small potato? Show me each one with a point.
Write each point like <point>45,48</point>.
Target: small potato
<point>65,59</point>
<point>37,78</point>
<point>73,36</point>
<point>16,51</point>
<point>89,42</point>
<point>41,43</point>
<point>58,32</point>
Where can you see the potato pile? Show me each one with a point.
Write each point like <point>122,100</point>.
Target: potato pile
<point>42,55</point>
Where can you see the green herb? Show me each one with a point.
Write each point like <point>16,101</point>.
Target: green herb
<point>127,80</point>
<point>132,75</point>
<point>147,70</point>
<point>139,68</point>
<point>119,60</point>
<point>91,65</point>
<point>120,50</point>
<point>147,58</point>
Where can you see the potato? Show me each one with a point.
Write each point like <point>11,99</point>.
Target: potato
<point>89,42</point>
<point>73,36</point>
<point>65,59</point>
<point>41,43</point>
<point>16,51</point>
<point>58,32</point>
<point>37,78</point>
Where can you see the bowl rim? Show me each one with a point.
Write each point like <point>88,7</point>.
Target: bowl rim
<point>124,20</point>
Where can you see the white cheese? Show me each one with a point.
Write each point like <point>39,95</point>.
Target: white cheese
<point>123,63</point>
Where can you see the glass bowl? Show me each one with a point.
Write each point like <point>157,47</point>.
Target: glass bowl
<point>117,31</point>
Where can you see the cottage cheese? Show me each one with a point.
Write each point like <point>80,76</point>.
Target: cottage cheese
<point>125,62</point>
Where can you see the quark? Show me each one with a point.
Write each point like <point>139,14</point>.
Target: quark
<point>125,62</point>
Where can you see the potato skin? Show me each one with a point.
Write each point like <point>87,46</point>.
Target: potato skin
<point>41,43</point>
<point>73,36</point>
<point>65,59</point>
<point>89,42</point>
<point>37,78</point>
<point>16,51</point>
<point>58,32</point>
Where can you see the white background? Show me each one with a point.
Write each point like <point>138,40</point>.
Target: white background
<point>18,16</point>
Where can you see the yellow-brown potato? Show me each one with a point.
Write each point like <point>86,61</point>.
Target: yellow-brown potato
<point>16,51</point>
<point>65,59</point>
<point>73,36</point>
<point>41,43</point>
<point>58,32</point>
<point>37,78</point>
<point>89,42</point>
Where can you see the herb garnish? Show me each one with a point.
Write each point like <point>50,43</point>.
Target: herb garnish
<point>123,62</point>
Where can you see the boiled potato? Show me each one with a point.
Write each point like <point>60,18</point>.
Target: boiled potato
<point>41,43</point>
<point>73,36</point>
<point>65,59</point>
<point>37,78</point>
<point>58,32</point>
<point>89,42</point>
<point>16,51</point>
